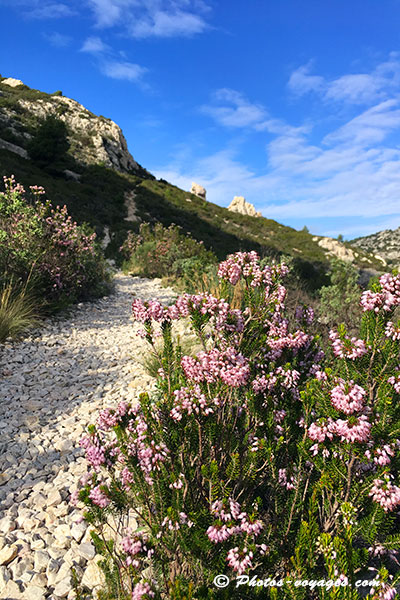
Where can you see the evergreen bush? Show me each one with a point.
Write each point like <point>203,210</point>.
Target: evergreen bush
<point>257,460</point>
<point>43,244</point>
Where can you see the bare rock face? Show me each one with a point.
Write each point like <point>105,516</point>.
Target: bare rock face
<point>93,139</point>
<point>198,190</point>
<point>385,245</point>
<point>336,248</point>
<point>13,148</point>
<point>239,205</point>
<point>12,82</point>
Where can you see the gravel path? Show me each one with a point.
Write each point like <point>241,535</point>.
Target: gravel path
<point>52,385</point>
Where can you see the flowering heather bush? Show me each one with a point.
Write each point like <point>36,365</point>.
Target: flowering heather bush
<point>164,252</point>
<point>60,257</point>
<point>255,457</point>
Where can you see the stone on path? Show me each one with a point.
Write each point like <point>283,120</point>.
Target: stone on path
<point>53,383</point>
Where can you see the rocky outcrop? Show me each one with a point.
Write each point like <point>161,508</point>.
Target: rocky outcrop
<point>93,139</point>
<point>385,245</point>
<point>198,190</point>
<point>335,248</point>
<point>13,148</point>
<point>239,205</point>
<point>12,82</point>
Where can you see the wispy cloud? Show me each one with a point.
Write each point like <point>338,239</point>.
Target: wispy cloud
<point>58,40</point>
<point>351,171</point>
<point>123,70</point>
<point>355,88</point>
<point>109,65</point>
<point>50,11</point>
<point>231,108</point>
<point>94,45</point>
<point>152,18</point>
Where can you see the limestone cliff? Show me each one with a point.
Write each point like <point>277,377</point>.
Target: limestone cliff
<point>93,139</point>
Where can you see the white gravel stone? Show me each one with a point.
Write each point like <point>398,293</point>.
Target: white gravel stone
<point>53,385</point>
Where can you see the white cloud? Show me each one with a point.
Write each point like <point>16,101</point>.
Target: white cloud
<point>94,45</point>
<point>123,70</point>
<point>58,40</point>
<point>356,88</point>
<point>109,65</point>
<point>50,11</point>
<point>107,12</point>
<point>168,24</point>
<point>351,171</point>
<point>152,18</point>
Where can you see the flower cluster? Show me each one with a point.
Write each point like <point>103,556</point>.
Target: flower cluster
<point>228,365</point>
<point>231,522</point>
<point>385,493</point>
<point>387,299</point>
<point>348,397</point>
<point>355,429</point>
<point>192,400</point>
<point>345,347</point>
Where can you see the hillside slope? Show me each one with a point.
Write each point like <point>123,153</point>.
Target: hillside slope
<point>102,184</point>
<point>385,244</point>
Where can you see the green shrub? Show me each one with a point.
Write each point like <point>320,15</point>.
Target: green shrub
<point>63,258</point>
<point>49,145</point>
<point>165,252</point>
<point>339,301</point>
<point>255,458</point>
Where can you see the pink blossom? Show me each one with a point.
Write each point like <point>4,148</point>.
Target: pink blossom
<point>345,347</point>
<point>352,430</point>
<point>238,560</point>
<point>142,590</point>
<point>98,497</point>
<point>348,397</point>
<point>385,493</point>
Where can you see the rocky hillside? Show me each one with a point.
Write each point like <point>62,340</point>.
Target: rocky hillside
<point>103,185</point>
<point>385,245</point>
<point>92,139</point>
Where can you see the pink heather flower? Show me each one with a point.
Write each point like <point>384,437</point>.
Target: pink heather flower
<point>348,397</point>
<point>283,480</point>
<point>352,430</point>
<point>220,533</point>
<point>98,497</point>
<point>347,347</point>
<point>141,591</point>
<point>95,453</point>
<point>383,456</point>
<point>386,592</point>
<point>371,300</point>
<point>238,560</point>
<point>395,381</point>
<point>74,498</point>
<point>392,332</point>
<point>192,400</point>
<point>319,431</point>
<point>228,365</point>
<point>107,419</point>
<point>288,377</point>
<point>385,493</point>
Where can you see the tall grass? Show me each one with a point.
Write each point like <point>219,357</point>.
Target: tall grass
<point>18,310</point>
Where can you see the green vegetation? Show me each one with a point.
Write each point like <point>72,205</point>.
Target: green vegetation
<point>18,310</point>
<point>339,302</point>
<point>165,251</point>
<point>49,145</point>
<point>43,254</point>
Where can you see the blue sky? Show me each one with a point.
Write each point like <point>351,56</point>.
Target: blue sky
<point>294,104</point>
